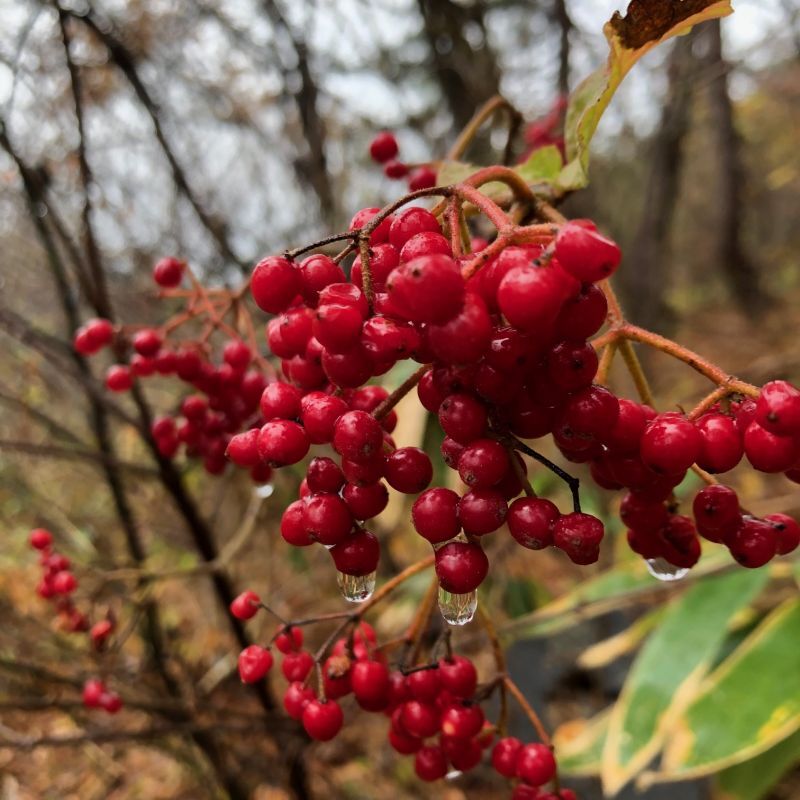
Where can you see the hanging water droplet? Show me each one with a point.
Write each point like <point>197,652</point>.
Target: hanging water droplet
<point>458,609</point>
<point>264,490</point>
<point>356,588</point>
<point>661,568</point>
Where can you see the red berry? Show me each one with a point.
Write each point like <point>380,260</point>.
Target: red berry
<point>716,512</point>
<point>316,272</point>
<point>421,178</point>
<point>245,605</point>
<point>670,444</point>
<point>430,763</point>
<point>530,521</point>
<point>482,511</point>
<point>275,282</point>
<point>778,408</point>
<point>327,518</point>
<point>381,233</point>
<point>530,298</point>
<point>458,676</point>
<point>110,702</point>
<point>461,567</point>
<point>297,697</point>
<point>293,529</point>
<point>242,449</point>
<point>64,582</point>
<point>768,452</point>
<point>289,639</point>
<point>483,463</point>
<point>435,515</point>
<point>40,539</point>
<point>119,378</point>
<point>463,417</point>
<point>754,543</point>
<point>370,680</point>
<point>296,665</point>
<point>93,690</point>
<point>403,743</point>
<point>366,502</point>
<point>322,720</point>
<point>583,315</point>
<point>358,554</point>
<point>254,663</point>
<point>572,365</point>
<point>627,432</point>
<point>168,272</point>
<point>504,756</point>
<point>592,412</point>
<point>93,336</point>
<point>419,719</point>
<point>585,253</point>
<point>722,447</point>
<point>579,536</point>
<point>383,147</point>
<point>395,170</point>
<point>423,244</point>
<point>237,354</point>
<point>408,470</point>
<point>280,401</point>
<point>427,289</point>
<point>462,721</point>
<point>535,764</point>
<point>147,342</point>
<point>787,530</point>
<point>324,475</point>
<point>424,685</point>
<point>466,337</point>
<point>281,442</point>
<point>357,436</point>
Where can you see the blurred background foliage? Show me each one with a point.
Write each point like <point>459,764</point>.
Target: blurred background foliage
<point>224,131</point>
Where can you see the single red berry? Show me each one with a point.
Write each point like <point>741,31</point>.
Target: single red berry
<point>466,337</point>
<point>458,676</point>
<point>427,289</point>
<point>322,720</point>
<point>504,756</point>
<point>119,378</point>
<point>435,515</point>
<point>579,536</point>
<point>366,502</point>
<point>768,452</point>
<point>583,315</point>
<point>40,538</point>
<point>643,514</point>
<point>408,470</point>
<point>424,685</point>
<point>530,521</point>
<point>430,763</point>
<point>482,511</point>
<point>572,365</point>
<point>358,554</point>
<point>778,408</point>
<point>93,690</point>
<point>357,436</point>
<point>423,244</point>
<point>585,253</point>
<point>722,447</point>
<point>463,417</point>
<point>337,326</point>
<point>461,567</point>
<point>403,743</point>
<point>420,719</point>
<point>297,697</point>
<point>716,512</point>
<point>110,702</point>
<point>421,178</point>
<point>483,463</point>
<point>336,676</point>
<point>395,170</point>
<point>275,282</point>
<point>316,272</point>
<point>754,543</point>
<point>281,442</point>
<point>370,680</point>
<point>147,342</point>
<point>296,665</point>
<point>383,147</point>
<point>319,412</point>
<point>64,582</point>
<point>535,764</point>
<point>380,233</point>
<point>93,336</point>
<point>592,412</point>
<point>463,754</point>
<point>168,272</point>
<point>245,605</point>
<point>324,475</point>
<point>327,518</point>
<point>293,528</point>
<point>670,444</point>
<point>254,663</point>
<point>627,431</point>
<point>242,449</point>
<point>237,354</point>
<point>463,721</point>
<point>787,530</point>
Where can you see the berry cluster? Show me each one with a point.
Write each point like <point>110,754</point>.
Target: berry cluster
<point>384,150</point>
<point>434,709</point>
<point>57,585</point>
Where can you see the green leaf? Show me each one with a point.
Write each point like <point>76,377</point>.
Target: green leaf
<point>646,24</point>
<point>746,706</point>
<point>543,166</point>
<point>668,670</point>
<point>752,780</point>
<point>457,171</point>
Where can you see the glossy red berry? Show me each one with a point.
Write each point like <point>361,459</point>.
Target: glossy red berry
<point>483,463</point>
<point>430,763</point>
<point>168,272</point>
<point>93,690</point>
<point>535,764</point>
<point>462,721</point>
<point>281,442</point>
<point>721,447</point>
<point>296,665</point>
<point>326,518</point>
<point>530,521</point>
<point>64,582</point>
<point>778,408</point>
<point>461,567</point>
<point>289,639</point>
<point>408,470</point>
<point>421,178</point>
<point>424,685</point>
<point>716,512</point>
<point>504,756</point>
<point>242,449</point>
<point>427,289</point>
<point>370,681</point>
<point>419,719</point>
<point>579,536</point>
<point>358,554</point>
<point>670,444</point>
<point>245,605</point>
<point>458,676</point>
<point>40,538</point>
<point>367,501</point>
<point>586,254</point>
<point>322,720</point>
<point>754,543</point>
<point>787,531</point>
<point>296,699</point>
<point>357,436</point>
<point>530,298</point>
<point>482,511</point>
<point>147,342</point>
<point>293,529</point>
<point>254,663</point>
<point>383,147</point>
<point>572,365</point>
<point>768,452</point>
<point>435,515</point>
<point>275,282</point>
<point>119,378</point>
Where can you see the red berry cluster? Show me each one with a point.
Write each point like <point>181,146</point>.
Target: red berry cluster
<point>384,150</point>
<point>57,585</point>
<point>434,710</point>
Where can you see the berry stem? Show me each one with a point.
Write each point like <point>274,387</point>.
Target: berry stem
<point>606,360</point>
<point>528,709</point>
<point>399,393</point>
<point>500,663</point>
<point>636,372</point>
<point>336,237</point>
<point>482,115</point>
<point>709,400</point>
<point>420,622</point>
<point>570,480</point>
<point>366,270</point>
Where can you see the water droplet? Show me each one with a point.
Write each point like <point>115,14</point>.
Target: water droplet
<point>453,774</point>
<point>356,588</point>
<point>458,609</point>
<point>661,568</point>
<point>264,490</point>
